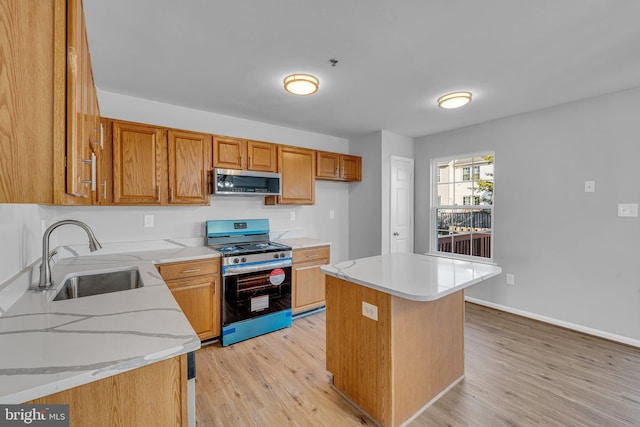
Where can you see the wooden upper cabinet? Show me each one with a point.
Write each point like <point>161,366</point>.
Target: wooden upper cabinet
<point>328,165</point>
<point>228,152</point>
<point>82,109</point>
<point>262,156</point>
<point>139,155</point>
<point>45,81</point>
<point>338,167</point>
<point>188,163</point>
<point>298,169</point>
<point>237,153</point>
<point>350,167</point>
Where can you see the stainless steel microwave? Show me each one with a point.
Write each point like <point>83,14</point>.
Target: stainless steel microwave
<point>231,182</point>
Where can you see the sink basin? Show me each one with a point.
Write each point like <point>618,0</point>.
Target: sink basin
<point>89,283</point>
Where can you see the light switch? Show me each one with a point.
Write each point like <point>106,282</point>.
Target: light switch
<point>148,221</point>
<point>627,209</point>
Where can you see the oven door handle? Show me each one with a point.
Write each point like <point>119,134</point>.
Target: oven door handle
<point>232,270</point>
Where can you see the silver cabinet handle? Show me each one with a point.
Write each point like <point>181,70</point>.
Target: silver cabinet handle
<point>93,172</point>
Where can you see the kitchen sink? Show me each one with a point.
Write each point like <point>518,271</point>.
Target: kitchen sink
<point>90,283</point>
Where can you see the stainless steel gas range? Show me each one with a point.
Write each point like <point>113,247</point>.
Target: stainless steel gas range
<point>256,278</point>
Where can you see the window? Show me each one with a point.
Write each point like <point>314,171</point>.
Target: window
<point>462,206</point>
<point>466,173</point>
<point>466,200</point>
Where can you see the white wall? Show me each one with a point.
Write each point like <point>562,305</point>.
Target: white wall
<point>365,198</point>
<point>20,228</point>
<point>369,200</point>
<point>573,258</point>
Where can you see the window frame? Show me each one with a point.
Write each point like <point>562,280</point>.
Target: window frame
<point>434,206</point>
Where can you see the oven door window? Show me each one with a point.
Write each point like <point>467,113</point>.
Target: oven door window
<point>255,294</point>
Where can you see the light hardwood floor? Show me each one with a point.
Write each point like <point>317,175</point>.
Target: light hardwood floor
<point>519,372</point>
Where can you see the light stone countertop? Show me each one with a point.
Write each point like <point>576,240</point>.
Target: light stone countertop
<point>412,276</point>
<point>48,346</point>
<point>302,242</point>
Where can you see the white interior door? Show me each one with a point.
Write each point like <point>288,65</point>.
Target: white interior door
<point>401,201</point>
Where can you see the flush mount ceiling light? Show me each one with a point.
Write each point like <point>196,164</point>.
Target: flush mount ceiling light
<point>454,100</point>
<point>301,84</point>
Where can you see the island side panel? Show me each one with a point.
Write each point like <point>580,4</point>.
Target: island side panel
<point>154,394</point>
<point>359,348</point>
<point>428,351</point>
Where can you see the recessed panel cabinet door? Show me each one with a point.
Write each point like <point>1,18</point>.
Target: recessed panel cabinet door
<point>298,169</point>
<point>262,156</point>
<point>327,165</point>
<point>138,156</point>
<point>351,168</point>
<point>229,152</point>
<point>188,167</point>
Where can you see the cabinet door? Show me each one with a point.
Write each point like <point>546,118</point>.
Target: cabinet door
<point>188,167</point>
<point>309,286</point>
<point>138,156</point>
<point>196,299</point>
<point>132,398</point>
<point>32,101</point>
<point>228,152</point>
<point>327,165</point>
<point>351,168</point>
<point>78,133</point>
<point>298,169</point>
<point>262,156</point>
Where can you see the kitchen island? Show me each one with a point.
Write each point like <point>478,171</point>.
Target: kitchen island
<point>395,330</point>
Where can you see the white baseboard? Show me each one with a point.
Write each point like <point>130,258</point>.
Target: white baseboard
<point>573,326</point>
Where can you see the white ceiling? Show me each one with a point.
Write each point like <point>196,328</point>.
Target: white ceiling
<point>395,57</point>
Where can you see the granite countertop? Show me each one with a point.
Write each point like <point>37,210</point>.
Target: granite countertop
<point>302,242</point>
<point>49,346</point>
<point>412,276</point>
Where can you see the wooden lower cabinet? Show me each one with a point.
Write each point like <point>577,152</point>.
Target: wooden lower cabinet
<point>196,287</point>
<point>154,394</point>
<point>308,280</point>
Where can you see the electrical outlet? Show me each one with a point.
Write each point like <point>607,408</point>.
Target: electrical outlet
<point>292,216</point>
<point>589,186</point>
<point>148,221</point>
<point>369,310</point>
<point>511,279</point>
<point>332,215</point>
<point>628,209</point>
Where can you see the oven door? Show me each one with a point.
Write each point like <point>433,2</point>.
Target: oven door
<point>254,291</point>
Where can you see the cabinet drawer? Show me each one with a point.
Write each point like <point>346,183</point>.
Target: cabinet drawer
<point>320,253</point>
<point>182,270</point>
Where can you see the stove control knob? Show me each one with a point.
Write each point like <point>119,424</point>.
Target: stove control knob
<point>243,259</point>
<point>282,255</point>
<point>236,260</point>
<point>275,256</point>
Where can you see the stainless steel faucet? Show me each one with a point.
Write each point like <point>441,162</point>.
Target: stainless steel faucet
<point>45,268</point>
